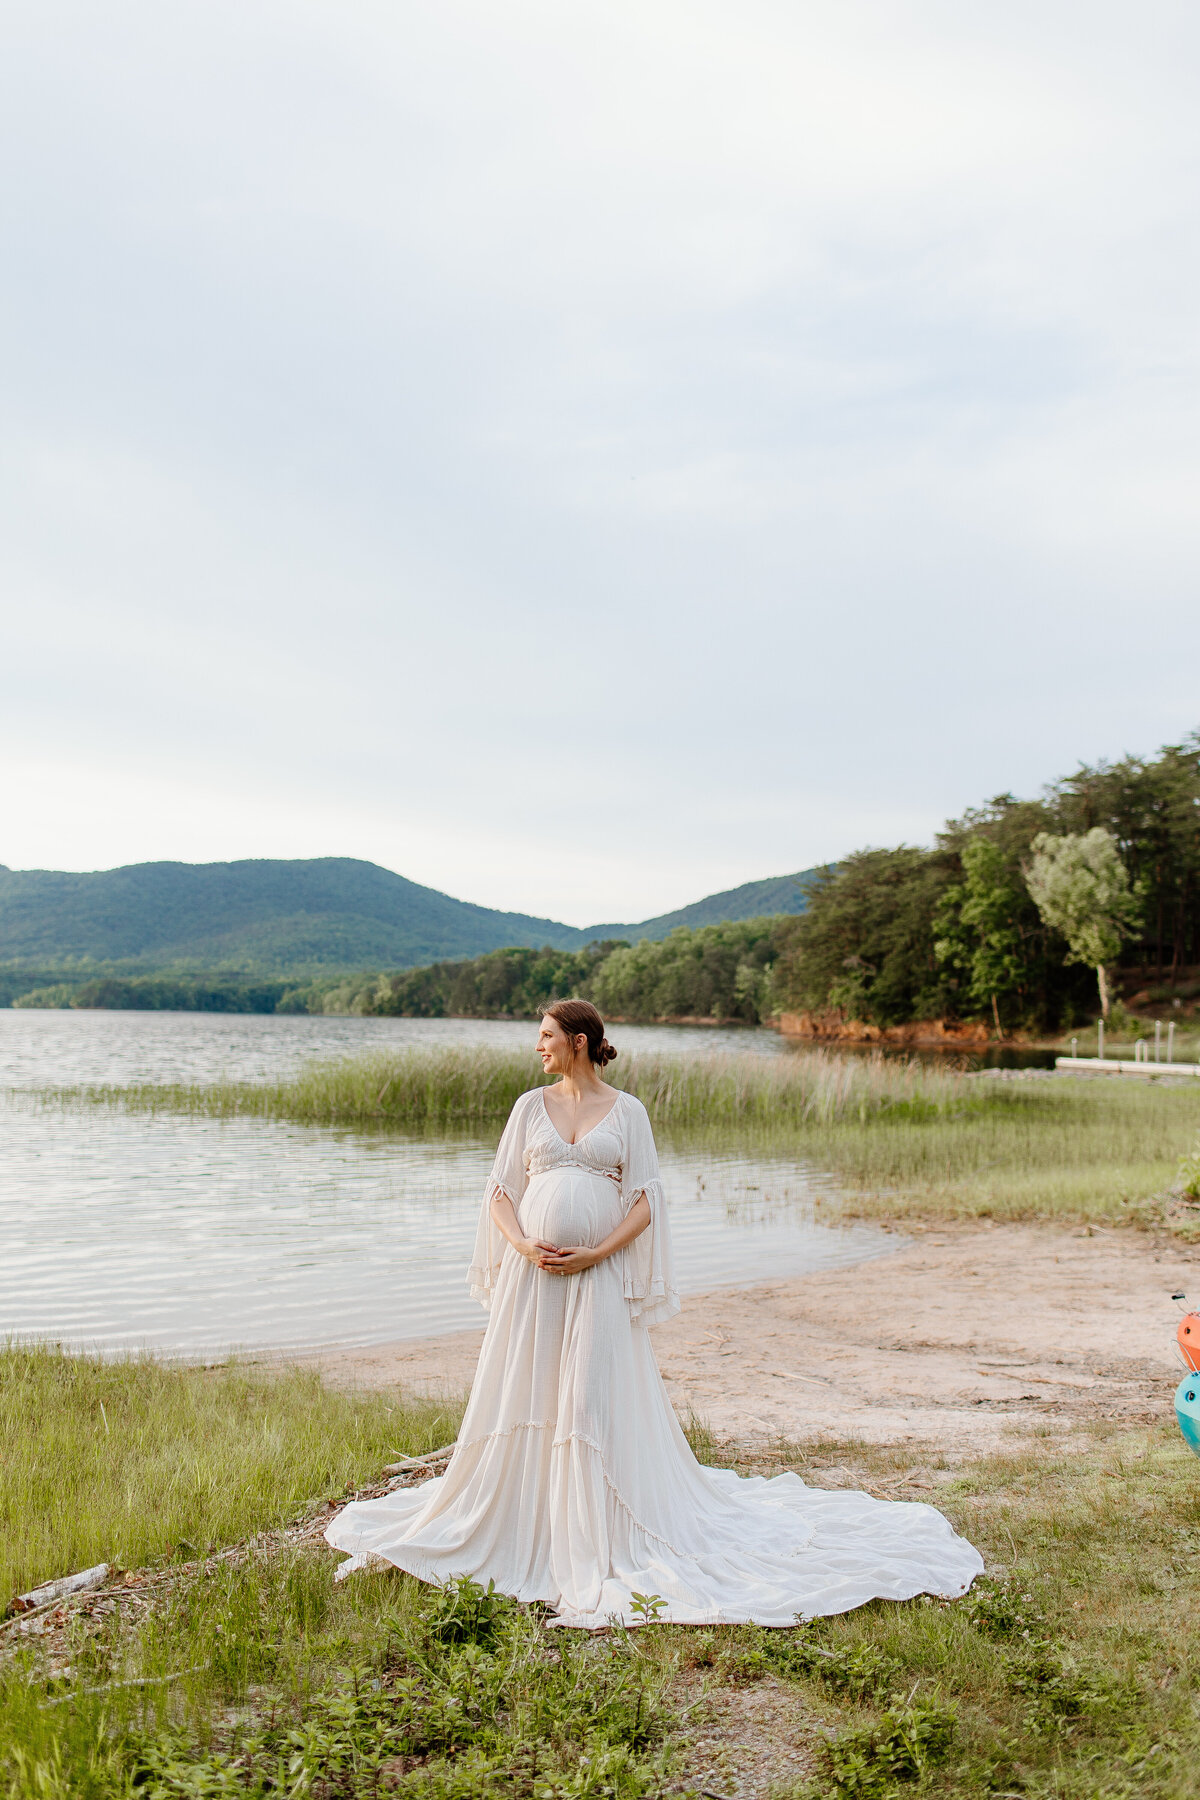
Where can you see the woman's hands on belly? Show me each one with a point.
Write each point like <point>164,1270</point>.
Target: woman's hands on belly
<point>571,1261</point>
<point>504,1214</point>
<point>578,1257</point>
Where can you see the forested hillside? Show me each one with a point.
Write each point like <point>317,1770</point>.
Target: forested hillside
<point>273,919</point>
<point>754,900</point>
<point>895,935</point>
<point>890,935</point>
<point>267,916</point>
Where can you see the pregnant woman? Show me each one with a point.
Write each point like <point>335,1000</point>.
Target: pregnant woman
<point>572,1482</point>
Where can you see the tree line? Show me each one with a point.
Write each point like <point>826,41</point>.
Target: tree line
<point>155,993</point>
<point>1016,909</point>
<point>712,971</point>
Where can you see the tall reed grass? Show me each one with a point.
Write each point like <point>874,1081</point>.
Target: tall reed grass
<point>1057,1150</point>
<point>477,1085</point>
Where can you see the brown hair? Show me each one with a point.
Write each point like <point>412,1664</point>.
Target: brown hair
<point>576,1016</point>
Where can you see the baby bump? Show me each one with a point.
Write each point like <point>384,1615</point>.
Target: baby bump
<point>570,1206</point>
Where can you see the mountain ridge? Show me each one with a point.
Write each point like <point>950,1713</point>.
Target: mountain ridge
<point>296,916</point>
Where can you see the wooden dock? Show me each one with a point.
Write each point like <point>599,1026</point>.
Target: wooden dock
<point>1109,1065</point>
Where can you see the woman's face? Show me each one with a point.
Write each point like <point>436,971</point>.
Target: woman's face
<point>555,1047</point>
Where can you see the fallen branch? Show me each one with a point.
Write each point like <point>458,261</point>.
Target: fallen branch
<point>409,1464</point>
<point>50,1591</point>
<point>137,1681</point>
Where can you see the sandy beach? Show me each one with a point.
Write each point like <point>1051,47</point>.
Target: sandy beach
<point>963,1339</point>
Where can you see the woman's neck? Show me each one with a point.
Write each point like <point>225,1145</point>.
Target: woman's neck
<point>581,1082</point>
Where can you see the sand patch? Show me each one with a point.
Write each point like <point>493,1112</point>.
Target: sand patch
<point>961,1339</point>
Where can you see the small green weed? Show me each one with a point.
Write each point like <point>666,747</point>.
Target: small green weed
<point>909,1740</point>
<point>1059,1689</point>
<point>858,1672</point>
<point>1188,1174</point>
<point>462,1612</point>
<point>999,1611</point>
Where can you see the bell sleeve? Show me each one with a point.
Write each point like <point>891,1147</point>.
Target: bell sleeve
<point>650,1286</point>
<point>509,1176</point>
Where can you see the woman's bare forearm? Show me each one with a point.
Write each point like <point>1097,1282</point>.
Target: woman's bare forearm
<point>631,1226</point>
<point>504,1218</point>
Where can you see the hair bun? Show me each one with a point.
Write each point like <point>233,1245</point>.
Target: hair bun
<point>579,1018</point>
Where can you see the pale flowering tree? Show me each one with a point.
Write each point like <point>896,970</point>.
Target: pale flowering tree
<point>1081,888</point>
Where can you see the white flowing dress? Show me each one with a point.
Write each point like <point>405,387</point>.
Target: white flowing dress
<point>572,1482</point>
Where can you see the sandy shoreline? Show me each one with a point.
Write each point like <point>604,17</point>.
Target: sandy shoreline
<point>962,1339</point>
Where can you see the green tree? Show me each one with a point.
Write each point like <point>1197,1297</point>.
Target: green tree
<point>1081,888</point>
<point>1152,808</point>
<point>865,947</point>
<point>981,932</point>
<point>711,972</point>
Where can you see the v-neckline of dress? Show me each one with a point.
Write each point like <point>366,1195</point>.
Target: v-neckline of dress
<point>587,1134</point>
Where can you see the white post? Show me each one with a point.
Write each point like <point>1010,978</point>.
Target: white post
<point>1171,1041</point>
<point>1100,1038</point>
<point>1074,1049</point>
<point>1158,1040</point>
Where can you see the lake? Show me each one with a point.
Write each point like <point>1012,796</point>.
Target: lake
<point>189,1236</point>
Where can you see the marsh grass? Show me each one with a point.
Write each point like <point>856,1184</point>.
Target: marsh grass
<point>1071,1671</point>
<point>906,1140</point>
<point>128,1460</point>
<point>477,1085</point>
<point>1061,1150</point>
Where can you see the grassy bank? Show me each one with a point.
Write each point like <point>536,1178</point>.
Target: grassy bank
<point>124,1461</point>
<point>906,1139</point>
<point>1072,1673</point>
<point>1060,1150</point>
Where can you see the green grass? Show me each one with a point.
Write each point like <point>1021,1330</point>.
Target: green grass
<point>419,1089</point>
<point>125,1461</point>
<point>1071,1673</point>
<point>1060,1150</point>
<point>906,1139</point>
<point>288,1685</point>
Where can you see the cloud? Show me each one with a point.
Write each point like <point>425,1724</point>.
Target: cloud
<point>582,457</point>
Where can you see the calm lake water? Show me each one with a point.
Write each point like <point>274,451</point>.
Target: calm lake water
<point>120,1230</point>
<point>62,1048</point>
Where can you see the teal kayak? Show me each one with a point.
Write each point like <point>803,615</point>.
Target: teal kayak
<point>1187,1409</point>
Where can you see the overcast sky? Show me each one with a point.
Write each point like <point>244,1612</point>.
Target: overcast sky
<point>584,456</point>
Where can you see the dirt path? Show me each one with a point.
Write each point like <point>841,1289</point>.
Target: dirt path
<point>960,1339</point>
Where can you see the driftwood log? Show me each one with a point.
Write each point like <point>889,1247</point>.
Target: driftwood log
<point>434,1462</point>
<point>50,1591</point>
